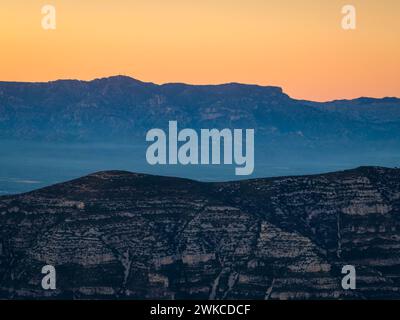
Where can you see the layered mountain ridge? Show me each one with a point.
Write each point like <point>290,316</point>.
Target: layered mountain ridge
<point>120,109</point>
<point>121,235</point>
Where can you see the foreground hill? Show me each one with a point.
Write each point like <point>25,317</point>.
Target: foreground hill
<point>123,235</point>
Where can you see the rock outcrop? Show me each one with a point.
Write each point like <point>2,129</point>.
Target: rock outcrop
<point>122,235</point>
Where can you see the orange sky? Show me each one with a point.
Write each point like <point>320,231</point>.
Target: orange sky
<point>298,45</point>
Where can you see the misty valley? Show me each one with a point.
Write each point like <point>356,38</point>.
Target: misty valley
<point>26,166</point>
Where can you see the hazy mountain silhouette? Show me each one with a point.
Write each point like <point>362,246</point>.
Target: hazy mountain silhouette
<point>120,108</point>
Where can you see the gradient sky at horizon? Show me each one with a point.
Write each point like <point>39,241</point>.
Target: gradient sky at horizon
<point>297,45</point>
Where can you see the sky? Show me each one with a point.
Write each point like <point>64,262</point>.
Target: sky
<point>297,45</point>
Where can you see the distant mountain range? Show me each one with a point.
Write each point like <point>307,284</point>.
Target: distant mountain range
<point>122,235</point>
<point>120,108</point>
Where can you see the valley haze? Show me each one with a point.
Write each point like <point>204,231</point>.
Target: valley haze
<point>59,130</point>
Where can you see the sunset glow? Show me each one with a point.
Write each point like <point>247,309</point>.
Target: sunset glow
<point>297,45</point>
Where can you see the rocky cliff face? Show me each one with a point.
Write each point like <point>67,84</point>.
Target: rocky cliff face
<point>122,235</point>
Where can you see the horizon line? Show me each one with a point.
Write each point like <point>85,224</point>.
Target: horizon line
<point>201,85</point>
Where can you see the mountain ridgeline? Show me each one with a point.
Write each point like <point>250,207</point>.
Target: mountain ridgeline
<point>121,108</point>
<point>123,235</point>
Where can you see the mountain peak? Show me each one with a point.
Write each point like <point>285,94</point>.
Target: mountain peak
<point>119,79</point>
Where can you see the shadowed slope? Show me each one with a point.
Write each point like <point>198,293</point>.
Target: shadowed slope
<point>124,235</point>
